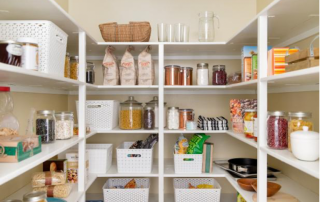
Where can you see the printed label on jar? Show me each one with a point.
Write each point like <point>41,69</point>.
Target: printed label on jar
<point>248,126</point>
<point>14,49</point>
<point>255,127</point>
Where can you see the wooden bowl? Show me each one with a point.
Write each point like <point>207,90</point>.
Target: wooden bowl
<point>245,183</point>
<point>272,188</point>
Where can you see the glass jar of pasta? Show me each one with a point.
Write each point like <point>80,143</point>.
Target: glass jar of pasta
<point>74,67</point>
<point>130,114</point>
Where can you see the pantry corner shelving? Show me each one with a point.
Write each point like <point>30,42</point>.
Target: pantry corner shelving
<point>118,130</point>
<point>113,172</point>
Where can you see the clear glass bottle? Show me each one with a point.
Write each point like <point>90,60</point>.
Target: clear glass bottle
<point>64,125</point>
<point>130,114</point>
<point>90,74</point>
<point>148,118</point>
<point>74,67</point>
<point>35,196</point>
<point>219,75</point>
<point>202,74</point>
<point>277,127</point>
<point>9,124</point>
<point>154,103</point>
<point>173,118</point>
<point>45,125</point>
<point>67,66</point>
<point>206,26</point>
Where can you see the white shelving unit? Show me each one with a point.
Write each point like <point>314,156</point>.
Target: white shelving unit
<point>266,27</point>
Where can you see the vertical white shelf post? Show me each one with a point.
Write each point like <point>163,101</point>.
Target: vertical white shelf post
<point>262,106</point>
<point>161,124</point>
<point>81,116</point>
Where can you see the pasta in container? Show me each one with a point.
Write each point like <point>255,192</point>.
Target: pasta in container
<point>59,191</point>
<point>42,179</point>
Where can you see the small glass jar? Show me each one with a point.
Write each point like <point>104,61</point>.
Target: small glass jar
<point>130,114</point>
<point>90,75</point>
<point>277,127</point>
<point>185,76</point>
<point>148,118</point>
<point>64,125</point>
<point>296,122</point>
<point>219,75</point>
<point>173,118</point>
<point>248,122</point>
<point>202,74</point>
<point>67,66</point>
<point>35,196</point>
<point>45,125</point>
<point>191,125</point>
<point>74,67</point>
<point>172,75</point>
<point>184,116</point>
<point>154,103</point>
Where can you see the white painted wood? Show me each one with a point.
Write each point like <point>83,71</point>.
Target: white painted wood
<point>118,130</point>
<point>113,172</point>
<point>194,131</point>
<point>243,138</point>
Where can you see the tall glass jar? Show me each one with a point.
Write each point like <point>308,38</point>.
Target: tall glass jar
<point>202,74</point>
<point>219,75</point>
<point>206,26</point>
<point>173,118</point>
<point>148,118</point>
<point>248,122</point>
<point>130,114</point>
<point>74,67</point>
<point>90,74</point>
<point>296,122</point>
<point>67,66</point>
<point>172,73</point>
<point>277,127</point>
<point>154,103</point>
<point>64,125</point>
<point>185,76</point>
<point>185,115</point>
<point>35,196</point>
<point>45,125</point>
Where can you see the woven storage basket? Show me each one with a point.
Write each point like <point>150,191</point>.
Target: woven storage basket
<point>182,193</point>
<point>132,32</point>
<point>100,157</point>
<point>188,163</point>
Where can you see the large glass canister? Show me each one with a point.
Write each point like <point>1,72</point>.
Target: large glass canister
<point>185,77</point>
<point>74,67</point>
<point>296,122</point>
<point>173,118</point>
<point>249,122</point>
<point>277,127</point>
<point>90,74</point>
<point>155,104</point>
<point>219,75</point>
<point>130,114</point>
<point>206,26</point>
<point>64,125</point>
<point>202,74</point>
<point>35,196</point>
<point>172,73</point>
<point>185,115</point>
<point>67,66</point>
<point>45,125</point>
<point>148,118</point>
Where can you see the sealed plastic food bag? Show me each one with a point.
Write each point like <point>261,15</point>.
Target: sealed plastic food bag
<point>128,71</point>
<point>110,68</point>
<point>48,178</point>
<point>58,191</point>
<point>196,143</point>
<point>146,72</point>
<point>181,145</point>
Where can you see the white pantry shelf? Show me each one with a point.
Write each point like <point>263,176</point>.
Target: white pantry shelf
<point>118,130</point>
<point>99,196</point>
<point>167,131</point>
<point>243,138</point>
<point>224,197</point>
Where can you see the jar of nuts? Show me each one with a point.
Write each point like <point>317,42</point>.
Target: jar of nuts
<point>64,125</point>
<point>130,114</point>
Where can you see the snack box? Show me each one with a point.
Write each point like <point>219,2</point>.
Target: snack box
<point>276,60</point>
<point>18,148</point>
<point>72,166</point>
<point>55,165</point>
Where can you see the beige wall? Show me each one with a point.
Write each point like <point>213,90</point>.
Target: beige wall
<point>64,4</point>
<point>261,4</point>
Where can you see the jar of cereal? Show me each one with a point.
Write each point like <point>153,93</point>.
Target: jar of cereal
<point>130,114</point>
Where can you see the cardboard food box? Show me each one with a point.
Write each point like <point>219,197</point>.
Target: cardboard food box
<point>72,166</point>
<point>55,165</point>
<point>18,148</point>
<point>276,60</point>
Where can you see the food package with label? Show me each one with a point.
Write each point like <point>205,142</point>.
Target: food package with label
<point>58,191</point>
<point>110,68</point>
<point>146,73</point>
<point>17,148</point>
<point>128,70</point>
<point>237,112</point>
<point>56,165</point>
<point>72,167</point>
<point>48,178</point>
<point>276,60</point>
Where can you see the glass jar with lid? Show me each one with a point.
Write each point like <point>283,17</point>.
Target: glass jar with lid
<point>74,67</point>
<point>45,125</point>
<point>185,76</point>
<point>35,196</point>
<point>64,125</point>
<point>130,114</point>
<point>90,74</point>
<point>148,118</point>
<point>202,74</point>
<point>155,104</point>
<point>67,66</point>
<point>173,118</point>
<point>249,122</point>
<point>185,115</point>
<point>277,127</point>
<point>296,122</point>
<point>219,75</point>
<point>172,73</point>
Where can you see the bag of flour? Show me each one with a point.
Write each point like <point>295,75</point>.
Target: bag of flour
<point>146,72</point>
<point>110,68</point>
<point>128,71</point>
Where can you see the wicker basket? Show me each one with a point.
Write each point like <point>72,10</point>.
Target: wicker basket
<point>132,32</point>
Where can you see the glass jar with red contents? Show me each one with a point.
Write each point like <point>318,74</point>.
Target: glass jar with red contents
<point>248,122</point>
<point>277,127</point>
<point>219,75</point>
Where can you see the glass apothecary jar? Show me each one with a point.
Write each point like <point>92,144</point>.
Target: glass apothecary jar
<point>185,76</point>
<point>74,67</point>
<point>155,104</point>
<point>202,74</point>
<point>277,127</point>
<point>64,125</point>
<point>185,115</point>
<point>219,75</point>
<point>45,125</point>
<point>173,118</point>
<point>249,122</point>
<point>148,118</point>
<point>90,74</point>
<point>130,114</point>
<point>296,122</point>
<point>35,196</point>
<point>172,73</point>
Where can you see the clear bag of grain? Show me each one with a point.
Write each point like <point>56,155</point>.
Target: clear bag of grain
<point>110,68</point>
<point>58,191</point>
<point>146,72</point>
<point>42,179</point>
<point>128,70</point>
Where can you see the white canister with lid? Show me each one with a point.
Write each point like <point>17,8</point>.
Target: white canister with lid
<point>305,144</point>
<point>202,74</point>
<point>30,55</point>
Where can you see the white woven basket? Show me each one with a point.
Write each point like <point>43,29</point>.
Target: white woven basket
<point>182,193</point>
<point>52,41</point>
<point>128,164</point>
<point>101,114</point>
<point>126,195</point>
<point>188,163</point>
<point>100,157</point>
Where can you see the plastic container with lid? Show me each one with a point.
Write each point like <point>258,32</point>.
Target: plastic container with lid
<point>45,125</point>
<point>30,53</point>
<point>173,118</point>
<point>185,76</point>
<point>184,116</point>
<point>67,66</point>
<point>35,196</point>
<point>172,75</point>
<point>11,52</point>
<point>203,74</point>
<point>296,122</point>
<point>248,122</point>
<point>305,144</point>
<point>277,127</point>
<point>130,114</point>
<point>64,125</point>
<point>12,200</point>
<point>148,118</point>
<point>74,67</point>
<point>219,75</point>
<point>155,104</point>
<point>90,74</point>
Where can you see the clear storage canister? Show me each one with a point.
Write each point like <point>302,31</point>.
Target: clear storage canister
<point>130,114</point>
<point>296,122</point>
<point>219,75</point>
<point>249,122</point>
<point>64,125</point>
<point>185,77</point>
<point>173,118</point>
<point>277,126</point>
<point>154,103</point>
<point>172,75</point>
<point>67,66</point>
<point>74,67</point>
<point>90,75</point>
<point>148,118</point>
<point>184,116</point>
<point>45,125</point>
<point>202,74</point>
<point>35,196</point>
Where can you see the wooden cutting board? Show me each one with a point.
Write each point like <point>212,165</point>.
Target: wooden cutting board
<point>278,197</point>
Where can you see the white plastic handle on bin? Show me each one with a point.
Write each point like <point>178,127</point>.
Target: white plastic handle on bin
<point>93,106</point>
<point>59,38</point>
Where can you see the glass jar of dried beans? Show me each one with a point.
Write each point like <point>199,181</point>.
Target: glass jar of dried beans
<point>277,127</point>
<point>219,75</point>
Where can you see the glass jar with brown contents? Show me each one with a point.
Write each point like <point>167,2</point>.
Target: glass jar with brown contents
<point>74,67</point>
<point>67,66</point>
<point>248,122</point>
<point>130,114</point>
<point>184,116</point>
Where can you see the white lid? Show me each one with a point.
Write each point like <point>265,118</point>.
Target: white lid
<point>305,134</point>
<point>28,40</point>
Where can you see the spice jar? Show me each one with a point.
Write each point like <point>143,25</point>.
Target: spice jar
<point>248,122</point>
<point>202,74</point>
<point>172,75</point>
<point>30,57</point>
<point>130,114</point>
<point>90,75</point>
<point>74,67</point>
<point>185,76</point>
<point>64,125</point>
<point>219,75</point>
<point>296,122</point>
<point>148,118</point>
<point>277,127</point>
<point>154,103</point>
<point>10,52</point>
<point>35,196</point>
<point>45,125</point>
<point>184,116</point>
<point>173,118</point>
<point>67,66</point>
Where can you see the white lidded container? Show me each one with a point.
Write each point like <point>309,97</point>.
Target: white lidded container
<point>30,53</point>
<point>305,144</point>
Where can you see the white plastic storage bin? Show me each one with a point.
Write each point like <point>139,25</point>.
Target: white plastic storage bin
<point>100,157</point>
<point>182,193</point>
<point>133,160</point>
<point>188,163</point>
<point>52,41</point>
<point>126,195</point>
<point>101,114</point>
